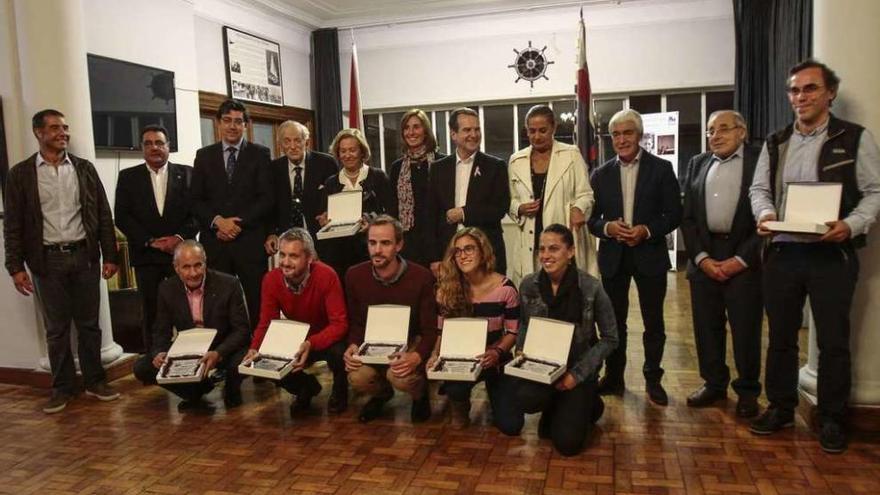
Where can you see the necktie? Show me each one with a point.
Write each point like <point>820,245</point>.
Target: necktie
<point>297,219</point>
<point>230,164</point>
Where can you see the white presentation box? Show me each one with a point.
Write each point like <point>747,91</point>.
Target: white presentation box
<point>279,350</point>
<point>386,333</point>
<point>808,205</point>
<point>463,339</point>
<point>545,352</point>
<point>344,211</point>
<point>183,360</point>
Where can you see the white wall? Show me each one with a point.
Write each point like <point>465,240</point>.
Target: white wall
<point>639,46</point>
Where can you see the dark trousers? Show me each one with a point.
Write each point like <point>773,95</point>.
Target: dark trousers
<point>714,303</point>
<point>148,279</point>
<point>506,416</point>
<point>249,269</point>
<point>652,291</point>
<point>570,415</point>
<point>145,372</point>
<point>296,382</point>
<point>827,273</point>
<point>69,291</point>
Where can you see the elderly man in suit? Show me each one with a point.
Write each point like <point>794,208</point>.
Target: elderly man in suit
<point>637,202</point>
<point>199,297</point>
<point>468,189</point>
<point>154,211</point>
<point>298,177</point>
<point>724,259</point>
<point>232,199</point>
<point>58,223</point>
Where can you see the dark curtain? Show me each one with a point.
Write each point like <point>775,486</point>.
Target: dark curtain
<point>326,90</point>
<point>771,37</point>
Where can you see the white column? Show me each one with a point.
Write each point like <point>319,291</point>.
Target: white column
<point>844,33</point>
<point>51,43</point>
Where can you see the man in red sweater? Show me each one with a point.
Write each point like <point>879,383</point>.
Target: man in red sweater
<point>389,279</point>
<point>308,291</point>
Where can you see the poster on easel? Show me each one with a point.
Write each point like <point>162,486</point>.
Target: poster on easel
<point>661,138</point>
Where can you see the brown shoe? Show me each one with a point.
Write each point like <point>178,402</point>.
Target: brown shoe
<point>461,413</point>
<point>102,392</point>
<point>56,403</point>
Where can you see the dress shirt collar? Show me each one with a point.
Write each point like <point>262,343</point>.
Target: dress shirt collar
<point>41,160</point>
<point>815,132</point>
<point>464,161</point>
<point>237,146</point>
<point>160,170</point>
<point>300,287</point>
<point>401,269</point>
<point>635,161</point>
<point>736,154</point>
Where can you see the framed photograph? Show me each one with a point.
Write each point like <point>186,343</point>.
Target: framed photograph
<point>253,68</point>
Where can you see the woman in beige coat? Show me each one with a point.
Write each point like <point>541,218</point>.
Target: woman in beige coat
<point>548,184</point>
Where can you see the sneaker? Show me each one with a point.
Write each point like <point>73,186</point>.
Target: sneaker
<point>773,420</point>
<point>421,409</point>
<point>832,438</point>
<point>56,403</point>
<point>102,392</point>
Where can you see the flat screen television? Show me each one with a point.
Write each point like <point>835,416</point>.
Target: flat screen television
<point>125,98</point>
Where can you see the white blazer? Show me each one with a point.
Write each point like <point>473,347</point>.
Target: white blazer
<point>567,185</point>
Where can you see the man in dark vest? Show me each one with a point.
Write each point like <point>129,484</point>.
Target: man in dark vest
<point>817,147</point>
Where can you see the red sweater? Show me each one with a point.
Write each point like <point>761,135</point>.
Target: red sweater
<point>321,304</point>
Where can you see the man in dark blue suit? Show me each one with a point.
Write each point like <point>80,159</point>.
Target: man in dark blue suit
<point>154,211</point>
<point>232,199</point>
<point>637,202</point>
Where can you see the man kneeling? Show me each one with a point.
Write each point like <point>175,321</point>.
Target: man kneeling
<point>199,297</point>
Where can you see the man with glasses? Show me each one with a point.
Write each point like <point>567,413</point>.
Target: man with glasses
<point>298,177</point>
<point>817,147</point>
<point>154,211</point>
<point>232,199</point>
<point>637,203</point>
<point>723,263</point>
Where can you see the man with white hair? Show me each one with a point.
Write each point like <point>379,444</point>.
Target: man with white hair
<point>637,204</point>
<point>297,178</point>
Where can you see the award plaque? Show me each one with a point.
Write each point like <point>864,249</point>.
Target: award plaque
<point>463,340</point>
<point>545,352</point>
<point>183,360</point>
<point>279,350</point>
<point>386,333</point>
<point>808,205</point>
<point>344,210</point>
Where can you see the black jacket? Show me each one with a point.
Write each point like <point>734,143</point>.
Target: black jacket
<point>318,166</point>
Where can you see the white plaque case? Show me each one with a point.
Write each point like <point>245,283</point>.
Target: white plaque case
<point>545,351</point>
<point>386,333</point>
<point>463,339</point>
<point>344,210</point>
<point>808,205</point>
<point>279,350</point>
<point>182,359</point>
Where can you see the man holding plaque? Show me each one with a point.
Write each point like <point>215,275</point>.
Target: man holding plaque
<point>817,147</point>
<point>389,279</point>
<point>202,298</point>
<point>306,290</point>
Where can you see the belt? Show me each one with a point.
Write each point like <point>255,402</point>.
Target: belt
<point>720,237</point>
<point>65,247</point>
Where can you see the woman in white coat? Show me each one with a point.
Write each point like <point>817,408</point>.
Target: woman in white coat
<point>549,184</point>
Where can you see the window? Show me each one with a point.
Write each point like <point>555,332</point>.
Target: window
<point>717,100</point>
<point>264,134</point>
<point>498,130</point>
<point>207,126</point>
<point>391,124</point>
<point>645,103</point>
<point>440,131</point>
<point>604,110</point>
<point>565,111</point>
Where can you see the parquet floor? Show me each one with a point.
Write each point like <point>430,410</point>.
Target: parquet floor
<point>142,444</point>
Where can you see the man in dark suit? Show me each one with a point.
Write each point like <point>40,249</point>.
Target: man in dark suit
<point>723,250</point>
<point>298,178</point>
<point>468,188</point>
<point>637,202</point>
<point>58,223</point>
<point>154,211</point>
<point>199,297</point>
<point>232,199</point>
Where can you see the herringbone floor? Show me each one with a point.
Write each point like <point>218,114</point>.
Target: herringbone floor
<point>142,444</point>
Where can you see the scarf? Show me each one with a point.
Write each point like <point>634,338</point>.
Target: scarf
<point>566,304</point>
<point>404,185</point>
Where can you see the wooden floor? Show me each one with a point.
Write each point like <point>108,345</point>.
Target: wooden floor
<point>142,444</point>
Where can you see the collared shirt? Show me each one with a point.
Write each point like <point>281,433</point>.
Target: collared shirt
<point>629,174</point>
<point>401,269</point>
<point>346,184</point>
<point>723,184</point>
<point>59,201</point>
<point>801,165</point>
<point>196,299</point>
<point>237,147</point>
<point>159,180</point>
<point>301,286</point>
<point>463,169</point>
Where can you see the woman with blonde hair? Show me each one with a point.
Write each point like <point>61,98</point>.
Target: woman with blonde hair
<point>469,286</point>
<point>549,184</point>
<point>409,176</point>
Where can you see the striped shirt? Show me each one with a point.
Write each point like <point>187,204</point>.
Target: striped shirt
<point>500,306</point>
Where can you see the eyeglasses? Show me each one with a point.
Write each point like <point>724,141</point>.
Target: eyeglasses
<point>721,130</point>
<point>808,90</point>
<point>231,121</point>
<point>468,250</point>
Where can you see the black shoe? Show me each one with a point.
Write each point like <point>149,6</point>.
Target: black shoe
<point>196,405</point>
<point>747,406</point>
<point>773,420</point>
<point>656,393</point>
<point>705,396</point>
<point>832,437</point>
<point>611,386</point>
<point>232,396</point>
<point>421,409</point>
<point>338,402</point>
<point>544,426</point>
<point>598,409</point>
<point>303,403</point>
<point>373,409</point>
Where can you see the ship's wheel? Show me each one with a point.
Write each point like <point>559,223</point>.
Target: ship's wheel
<point>530,64</point>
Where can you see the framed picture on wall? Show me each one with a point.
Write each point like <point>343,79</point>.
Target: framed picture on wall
<point>253,68</point>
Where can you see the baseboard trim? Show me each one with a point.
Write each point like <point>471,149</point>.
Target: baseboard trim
<point>43,379</point>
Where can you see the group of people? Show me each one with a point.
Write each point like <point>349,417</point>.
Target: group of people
<point>431,239</point>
